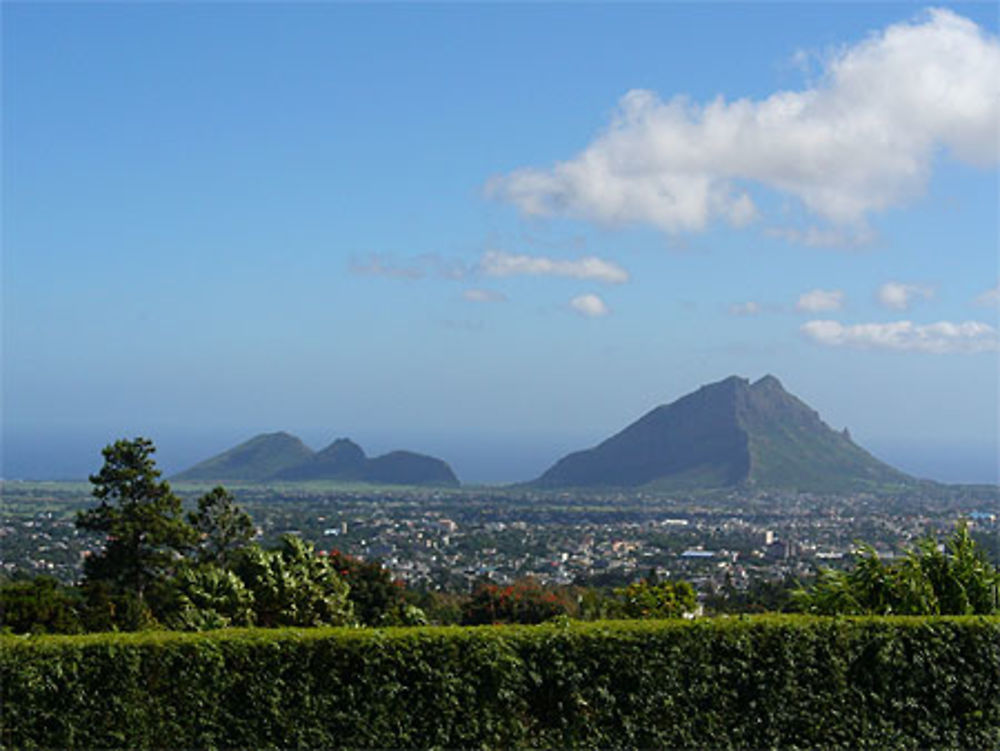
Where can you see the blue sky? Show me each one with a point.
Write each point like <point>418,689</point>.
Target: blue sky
<point>494,233</point>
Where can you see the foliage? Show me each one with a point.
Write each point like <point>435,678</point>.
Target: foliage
<point>39,605</point>
<point>439,608</point>
<point>207,597</point>
<point>927,581</point>
<point>104,609</point>
<point>156,568</point>
<point>293,586</point>
<point>758,682</point>
<point>524,601</point>
<point>665,599</point>
<point>223,527</point>
<point>759,596</point>
<point>377,599</point>
<point>140,515</point>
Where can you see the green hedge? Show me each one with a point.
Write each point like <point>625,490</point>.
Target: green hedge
<point>762,682</point>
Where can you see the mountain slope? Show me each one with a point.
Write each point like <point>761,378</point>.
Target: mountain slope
<point>257,459</point>
<point>790,446</point>
<point>726,434</point>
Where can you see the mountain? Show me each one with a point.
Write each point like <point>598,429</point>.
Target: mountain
<point>281,457</point>
<point>346,461</point>
<point>342,460</point>
<point>257,459</point>
<point>405,467</point>
<point>727,434</point>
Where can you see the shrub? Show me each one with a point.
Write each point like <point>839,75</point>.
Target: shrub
<point>758,682</point>
<point>926,581</point>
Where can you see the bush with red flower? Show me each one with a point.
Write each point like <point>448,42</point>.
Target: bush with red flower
<point>524,601</point>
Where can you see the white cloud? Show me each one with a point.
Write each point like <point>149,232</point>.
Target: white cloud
<point>819,300</point>
<point>939,338</point>
<point>749,308</point>
<point>591,306</point>
<point>860,141</point>
<point>990,298</point>
<point>899,296</point>
<point>499,263</point>
<point>483,295</point>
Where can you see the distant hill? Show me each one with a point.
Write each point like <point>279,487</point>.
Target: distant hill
<point>281,457</point>
<point>729,433</point>
<point>342,460</point>
<point>260,458</point>
<point>345,460</point>
<point>407,468</point>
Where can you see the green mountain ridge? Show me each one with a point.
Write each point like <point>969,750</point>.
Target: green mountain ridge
<point>281,457</point>
<point>727,434</point>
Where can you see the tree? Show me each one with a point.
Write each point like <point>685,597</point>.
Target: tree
<point>957,580</point>
<point>207,597</point>
<point>524,601</point>
<point>39,605</point>
<point>293,586</point>
<point>378,600</point>
<point>666,599</point>
<point>146,534</point>
<point>223,526</point>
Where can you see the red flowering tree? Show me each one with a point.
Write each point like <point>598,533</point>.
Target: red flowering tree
<point>378,599</point>
<point>524,601</point>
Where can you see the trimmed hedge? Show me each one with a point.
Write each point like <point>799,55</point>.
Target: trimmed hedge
<point>761,682</point>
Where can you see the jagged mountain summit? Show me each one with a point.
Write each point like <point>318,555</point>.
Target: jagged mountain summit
<point>727,434</point>
<point>282,457</point>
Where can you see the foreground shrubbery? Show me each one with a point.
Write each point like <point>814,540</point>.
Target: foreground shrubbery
<point>723,683</point>
<point>950,579</point>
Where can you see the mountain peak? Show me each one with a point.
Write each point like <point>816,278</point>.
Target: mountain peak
<point>343,449</point>
<point>255,459</point>
<point>768,382</point>
<point>726,433</point>
<point>730,382</point>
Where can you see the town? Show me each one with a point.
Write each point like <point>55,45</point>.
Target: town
<point>450,540</point>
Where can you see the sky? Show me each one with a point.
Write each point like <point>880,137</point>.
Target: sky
<point>494,233</point>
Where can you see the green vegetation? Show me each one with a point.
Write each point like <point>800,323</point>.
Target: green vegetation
<point>925,581</point>
<point>222,526</point>
<point>763,682</point>
<point>159,569</point>
<point>144,527</point>
<point>646,599</point>
<point>794,681</point>
<point>40,605</point>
